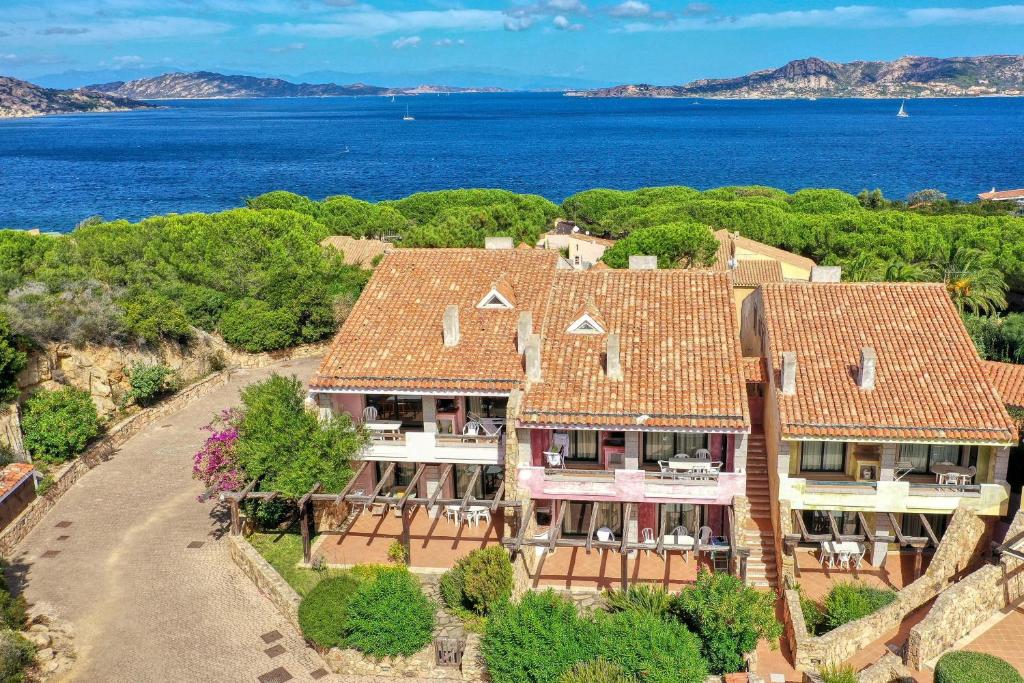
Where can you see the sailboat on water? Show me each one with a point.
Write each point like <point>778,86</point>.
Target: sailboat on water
<point>408,116</point>
<point>902,113</point>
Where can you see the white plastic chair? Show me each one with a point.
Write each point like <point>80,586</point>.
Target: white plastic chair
<point>825,554</point>
<point>951,478</point>
<point>451,512</point>
<point>665,467</point>
<point>702,453</point>
<point>704,536</point>
<point>555,459</point>
<point>966,479</point>
<point>369,414</point>
<point>844,560</point>
<point>902,468</point>
<point>471,429</point>
<point>647,534</point>
<point>605,534</point>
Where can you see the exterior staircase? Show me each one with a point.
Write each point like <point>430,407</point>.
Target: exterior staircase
<point>759,536</point>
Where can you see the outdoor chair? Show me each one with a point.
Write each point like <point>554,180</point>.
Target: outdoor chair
<point>702,453</point>
<point>902,468</point>
<point>824,554</point>
<point>703,536</point>
<point>451,512</point>
<point>966,479</point>
<point>554,459</point>
<point>665,468</point>
<point>844,560</point>
<point>860,556</point>
<point>950,478</point>
<point>647,536</point>
<point>471,429</point>
<point>369,414</point>
<point>604,534</point>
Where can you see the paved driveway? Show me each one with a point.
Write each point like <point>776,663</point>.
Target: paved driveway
<point>144,605</point>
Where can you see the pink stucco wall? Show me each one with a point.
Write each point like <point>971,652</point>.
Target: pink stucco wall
<point>631,486</point>
<point>348,403</point>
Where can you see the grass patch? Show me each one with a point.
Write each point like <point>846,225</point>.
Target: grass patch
<point>284,553</point>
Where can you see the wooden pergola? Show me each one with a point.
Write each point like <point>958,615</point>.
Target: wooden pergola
<point>402,502</point>
<point>515,544</point>
<point>917,543</point>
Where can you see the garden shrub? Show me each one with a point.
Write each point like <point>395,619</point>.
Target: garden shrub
<point>58,425</point>
<point>149,382</point>
<point>651,648</point>
<point>598,671</point>
<point>974,667</point>
<point>814,616</point>
<point>13,610</point>
<point>480,581</point>
<point>16,656</point>
<point>396,552</point>
<point>638,598</point>
<point>537,639</point>
<point>849,601</point>
<point>12,361</point>
<point>389,615</point>
<point>837,674</point>
<point>269,514</point>
<point>677,245</point>
<point>728,616</point>
<point>322,613</point>
<point>253,326</point>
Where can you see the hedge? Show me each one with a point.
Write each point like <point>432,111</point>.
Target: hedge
<point>974,667</point>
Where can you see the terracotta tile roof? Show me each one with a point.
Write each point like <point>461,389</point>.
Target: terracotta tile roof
<point>357,252</point>
<point>726,240</point>
<point>393,337</point>
<point>751,273</point>
<point>600,265</point>
<point>591,238</point>
<point>1008,379</point>
<point>1001,195</point>
<point>930,383</point>
<point>679,353</point>
<point>12,475</point>
<point>755,370</point>
<point>524,245</point>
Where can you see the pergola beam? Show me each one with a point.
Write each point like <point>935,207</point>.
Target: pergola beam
<point>518,541</point>
<point>625,525</point>
<point>352,482</point>
<point>556,527</point>
<point>469,488</point>
<point>928,530</point>
<point>591,525</point>
<point>445,473</point>
<point>497,496</point>
<point>411,487</point>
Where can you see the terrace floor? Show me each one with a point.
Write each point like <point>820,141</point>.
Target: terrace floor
<point>574,568</point>
<point>816,581</point>
<point>435,543</point>
<point>1002,636</point>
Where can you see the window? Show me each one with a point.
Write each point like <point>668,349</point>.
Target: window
<point>822,456</point>
<point>486,484</point>
<point>924,456</point>
<point>406,409</point>
<point>487,406</point>
<point>690,517</point>
<point>399,478</point>
<point>583,446</point>
<point>816,522</point>
<point>585,325</point>
<point>911,525</point>
<point>577,518</point>
<point>664,445</point>
<point>494,299</point>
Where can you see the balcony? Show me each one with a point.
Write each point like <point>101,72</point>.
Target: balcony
<point>430,447</point>
<point>918,495</point>
<point>628,485</point>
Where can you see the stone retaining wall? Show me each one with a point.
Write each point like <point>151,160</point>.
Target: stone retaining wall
<point>10,431</point>
<point>967,605</point>
<point>420,665</point>
<point>963,541</point>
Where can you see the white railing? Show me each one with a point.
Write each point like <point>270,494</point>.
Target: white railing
<point>443,448</point>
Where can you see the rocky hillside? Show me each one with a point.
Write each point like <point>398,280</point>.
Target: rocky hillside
<point>206,84</point>
<point>813,77</point>
<point>20,98</point>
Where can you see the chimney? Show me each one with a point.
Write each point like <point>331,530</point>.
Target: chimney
<point>533,358</point>
<point>524,331</point>
<point>498,243</point>
<point>643,262</point>
<point>788,373</point>
<point>868,368</point>
<point>613,359</point>
<point>826,273</point>
<point>451,325</point>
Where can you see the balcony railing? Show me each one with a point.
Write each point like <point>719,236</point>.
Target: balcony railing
<point>893,496</point>
<point>432,447</point>
<point>632,485</point>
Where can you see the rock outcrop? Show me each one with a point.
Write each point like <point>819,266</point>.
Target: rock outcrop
<point>20,99</point>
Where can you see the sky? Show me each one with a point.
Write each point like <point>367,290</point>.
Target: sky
<point>592,41</point>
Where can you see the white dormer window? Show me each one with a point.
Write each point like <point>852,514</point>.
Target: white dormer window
<point>494,299</point>
<point>585,325</point>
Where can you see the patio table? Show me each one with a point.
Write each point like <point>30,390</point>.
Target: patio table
<point>384,429</point>
<point>474,513</point>
<point>943,468</point>
<point>835,549</point>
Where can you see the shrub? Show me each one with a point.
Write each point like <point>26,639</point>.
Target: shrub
<point>638,598</point>
<point>252,325</point>
<point>396,552</point>
<point>322,613</point>
<point>59,424</point>
<point>651,648</point>
<point>16,655</point>
<point>12,361</point>
<point>974,667</point>
<point>75,312</point>
<point>537,639</point>
<point>13,610</point>
<point>598,671</point>
<point>728,616</point>
<point>848,601</point>
<point>148,382</point>
<point>151,316</point>
<point>286,447</point>
<point>838,674</point>
<point>269,514</point>
<point>389,615</point>
<point>479,582</point>
<point>45,484</point>
<point>814,617</point>
<point>215,463</point>
<point>677,245</point>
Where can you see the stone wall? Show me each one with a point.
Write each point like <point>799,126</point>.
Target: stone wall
<point>963,542</point>
<point>266,578</point>
<point>10,431</point>
<point>966,605</point>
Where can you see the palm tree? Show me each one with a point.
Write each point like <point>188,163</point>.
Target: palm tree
<point>973,282</point>
<point>901,271</point>
<point>862,268</point>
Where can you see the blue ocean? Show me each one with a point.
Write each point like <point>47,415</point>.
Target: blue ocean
<point>208,155</point>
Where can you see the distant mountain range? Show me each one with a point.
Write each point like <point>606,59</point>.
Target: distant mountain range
<point>209,85</point>
<point>813,77</point>
<point>20,98</point>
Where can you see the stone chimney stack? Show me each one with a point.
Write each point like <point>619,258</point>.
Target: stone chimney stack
<point>533,358</point>
<point>643,262</point>
<point>613,359</point>
<point>826,273</point>
<point>788,373</point>
<point>524,331</point>
<point>498,243</point>
<point>451,325</point>
<point>868,368</point>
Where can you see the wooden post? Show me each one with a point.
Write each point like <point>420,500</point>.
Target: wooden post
<point>304,528</point>
<point>917,563</point>
<point>236,518</point>
<point>406,542</point>
<point>625,570</point>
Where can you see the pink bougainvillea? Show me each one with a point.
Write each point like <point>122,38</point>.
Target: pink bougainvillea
<point>215,464</point>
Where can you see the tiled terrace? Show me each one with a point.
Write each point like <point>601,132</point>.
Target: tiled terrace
<point>1004,637</point>
<point>434,543</point>
<point>574,568</point>
<point>816,581</point>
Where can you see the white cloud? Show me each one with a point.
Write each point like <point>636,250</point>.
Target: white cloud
<point>290,47</point>
<point>448,42</point>
<point>368,22</point>
<point>844,16</point>
<point>567,6</point>
<point>563,24</point>
<point>698,8</point>
<point>630,8</point>
<point>406,41</point>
